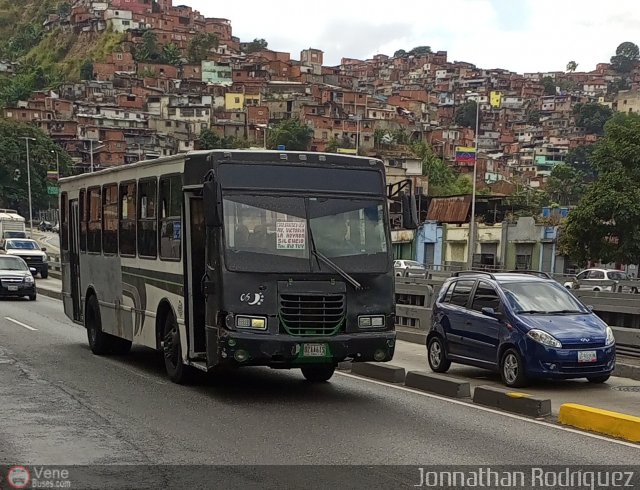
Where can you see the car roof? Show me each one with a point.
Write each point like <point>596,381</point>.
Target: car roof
<point>504,277</point>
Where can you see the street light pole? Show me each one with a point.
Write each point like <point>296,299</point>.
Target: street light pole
<point>27,139</point>
<point>91,150</point>
<point>472,221</point>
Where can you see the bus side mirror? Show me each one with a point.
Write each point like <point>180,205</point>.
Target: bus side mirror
<point>409,212</point>
<point>211,205</point>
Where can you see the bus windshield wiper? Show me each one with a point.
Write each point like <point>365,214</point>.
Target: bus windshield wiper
<point>345,275</point>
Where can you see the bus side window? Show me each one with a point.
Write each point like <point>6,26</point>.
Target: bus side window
<point>94,228</point>
<point>110,219</point>
<point>64,221</point>
<point>127,217</point>
<point>147,223</point>
<point>170,217</point>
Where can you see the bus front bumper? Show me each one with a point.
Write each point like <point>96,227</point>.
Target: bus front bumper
<point>250,349</point>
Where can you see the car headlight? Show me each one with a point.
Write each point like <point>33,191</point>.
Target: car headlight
<point>544,338</point>
<point>251,322</point>
<point>374,321</point>
<point>610,338</point>
<point>29,279</point>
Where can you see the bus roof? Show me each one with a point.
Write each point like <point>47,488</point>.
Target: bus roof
<point>247,156</point>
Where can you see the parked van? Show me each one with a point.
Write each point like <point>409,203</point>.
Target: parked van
<point>12,225</point>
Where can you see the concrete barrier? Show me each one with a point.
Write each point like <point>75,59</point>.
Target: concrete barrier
<point>48,292</point>
<point>437,383</point>
<point>612,424</point>
<point>381,372</point>
<point>511,401</point>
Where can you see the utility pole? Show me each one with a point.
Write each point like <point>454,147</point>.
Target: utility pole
<point>27,139</point>
<point>91,151</point>
<point>472,221</point>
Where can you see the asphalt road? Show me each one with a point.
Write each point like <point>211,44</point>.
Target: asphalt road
<point>62,405</point>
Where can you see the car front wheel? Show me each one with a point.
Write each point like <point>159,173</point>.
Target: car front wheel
<point>437,356</point>
<point>512,369</point>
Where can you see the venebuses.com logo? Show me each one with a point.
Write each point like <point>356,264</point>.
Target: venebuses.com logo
<point>18,477</point>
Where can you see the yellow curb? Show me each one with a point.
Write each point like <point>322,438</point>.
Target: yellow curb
<point>514,394</point>
<point>613,424</point>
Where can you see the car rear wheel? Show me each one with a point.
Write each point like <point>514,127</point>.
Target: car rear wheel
<point>598,379</point>
<point>437,356</point>
<point>512,369</point>
<point>318,374</point>
<point>44,273</point>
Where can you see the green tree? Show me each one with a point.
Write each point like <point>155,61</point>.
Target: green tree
<point>580,159</point>
<point>171,55</point>
<point>549,86</point>
<point>420,50</point>
<point>148,51</point>
<point>210,140</point>
<point>566,184</point>
<point>256,45</point>
<point>200,47</point>
<point>605,225</point>
<point>292,133</point>
<point>626,57</point>
<point>466,114</point>
<point>617,85</point>
<point>442,179</point>
<point>13,161</point>
<point>86,70</point>
<point>592,117</point>
<point>64,10</point>
<point>572,66</point>
<point>401,53</point>
<point>533,116</point>
<point>333,145</point>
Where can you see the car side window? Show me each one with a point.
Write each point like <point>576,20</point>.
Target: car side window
<point>485,297</point>
<point>596,275</point>
<point>461,292</point>
<point>582,275</point>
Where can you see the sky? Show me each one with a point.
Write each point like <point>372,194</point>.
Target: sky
<point>518,35</point>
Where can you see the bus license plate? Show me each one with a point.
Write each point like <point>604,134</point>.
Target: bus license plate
<point>12,288</point>
<point>315,350</point>
<point>587,356</point>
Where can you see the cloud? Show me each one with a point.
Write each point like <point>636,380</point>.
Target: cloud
<point>519,35</point>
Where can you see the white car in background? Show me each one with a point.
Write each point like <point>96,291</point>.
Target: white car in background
<point>600,280</point>
<point>409,268</point>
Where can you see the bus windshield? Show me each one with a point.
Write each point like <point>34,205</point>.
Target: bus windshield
<point>279,234</point>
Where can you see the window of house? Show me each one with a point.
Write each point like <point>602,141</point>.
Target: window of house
<point>127,217</point>
<point>110,219</point>
<point>170,217</point>
<point>237,100</point>
<point>83,221</point>
<point>147,224</point>
<point>94,225</point>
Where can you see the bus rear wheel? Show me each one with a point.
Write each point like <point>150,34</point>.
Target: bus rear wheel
<point>318,374</point>
<point>177,371</point>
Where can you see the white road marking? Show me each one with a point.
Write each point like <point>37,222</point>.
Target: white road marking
<point>491,410</point>
<point>21,324</point>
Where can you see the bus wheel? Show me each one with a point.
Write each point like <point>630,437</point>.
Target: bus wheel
<point>98,340</point>
<point>177,371</point>
<point>318,374</point>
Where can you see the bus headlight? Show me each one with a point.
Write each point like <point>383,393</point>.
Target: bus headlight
<point>375,321</point>
<point>251,322</point>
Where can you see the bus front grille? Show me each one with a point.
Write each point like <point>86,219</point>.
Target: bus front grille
<point>309,315</point>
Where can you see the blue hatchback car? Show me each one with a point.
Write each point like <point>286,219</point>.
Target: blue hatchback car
<point>523,325</point>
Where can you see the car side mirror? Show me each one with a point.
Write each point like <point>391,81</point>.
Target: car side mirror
<point>409,212</point>
<point>44,249</point>
<point>33,271</point>
<point>212,206</point>
<point>491,313</point>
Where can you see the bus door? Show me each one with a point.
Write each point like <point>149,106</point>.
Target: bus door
<point>74,258</point>
<point>196,267</point>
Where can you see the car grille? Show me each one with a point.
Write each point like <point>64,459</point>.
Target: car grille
<point>584,346</point>
<point>582,367</point>
<point>6,281</point>
<point>29,259</point>
<point>312,315</point>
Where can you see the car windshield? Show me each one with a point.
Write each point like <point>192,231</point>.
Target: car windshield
<point>279,233</point>
<point>22,245</point>
<point>12,264</point>
<point>541,298</point>
<point>413,263</point>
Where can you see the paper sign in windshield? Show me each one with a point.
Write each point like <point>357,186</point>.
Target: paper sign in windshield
<point>291,235</point>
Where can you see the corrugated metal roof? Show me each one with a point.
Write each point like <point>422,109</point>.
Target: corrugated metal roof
<point>449,209</point>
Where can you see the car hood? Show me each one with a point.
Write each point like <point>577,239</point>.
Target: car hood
<point>26,253</point>
<point>567,328</point>
<point>14,274</point>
